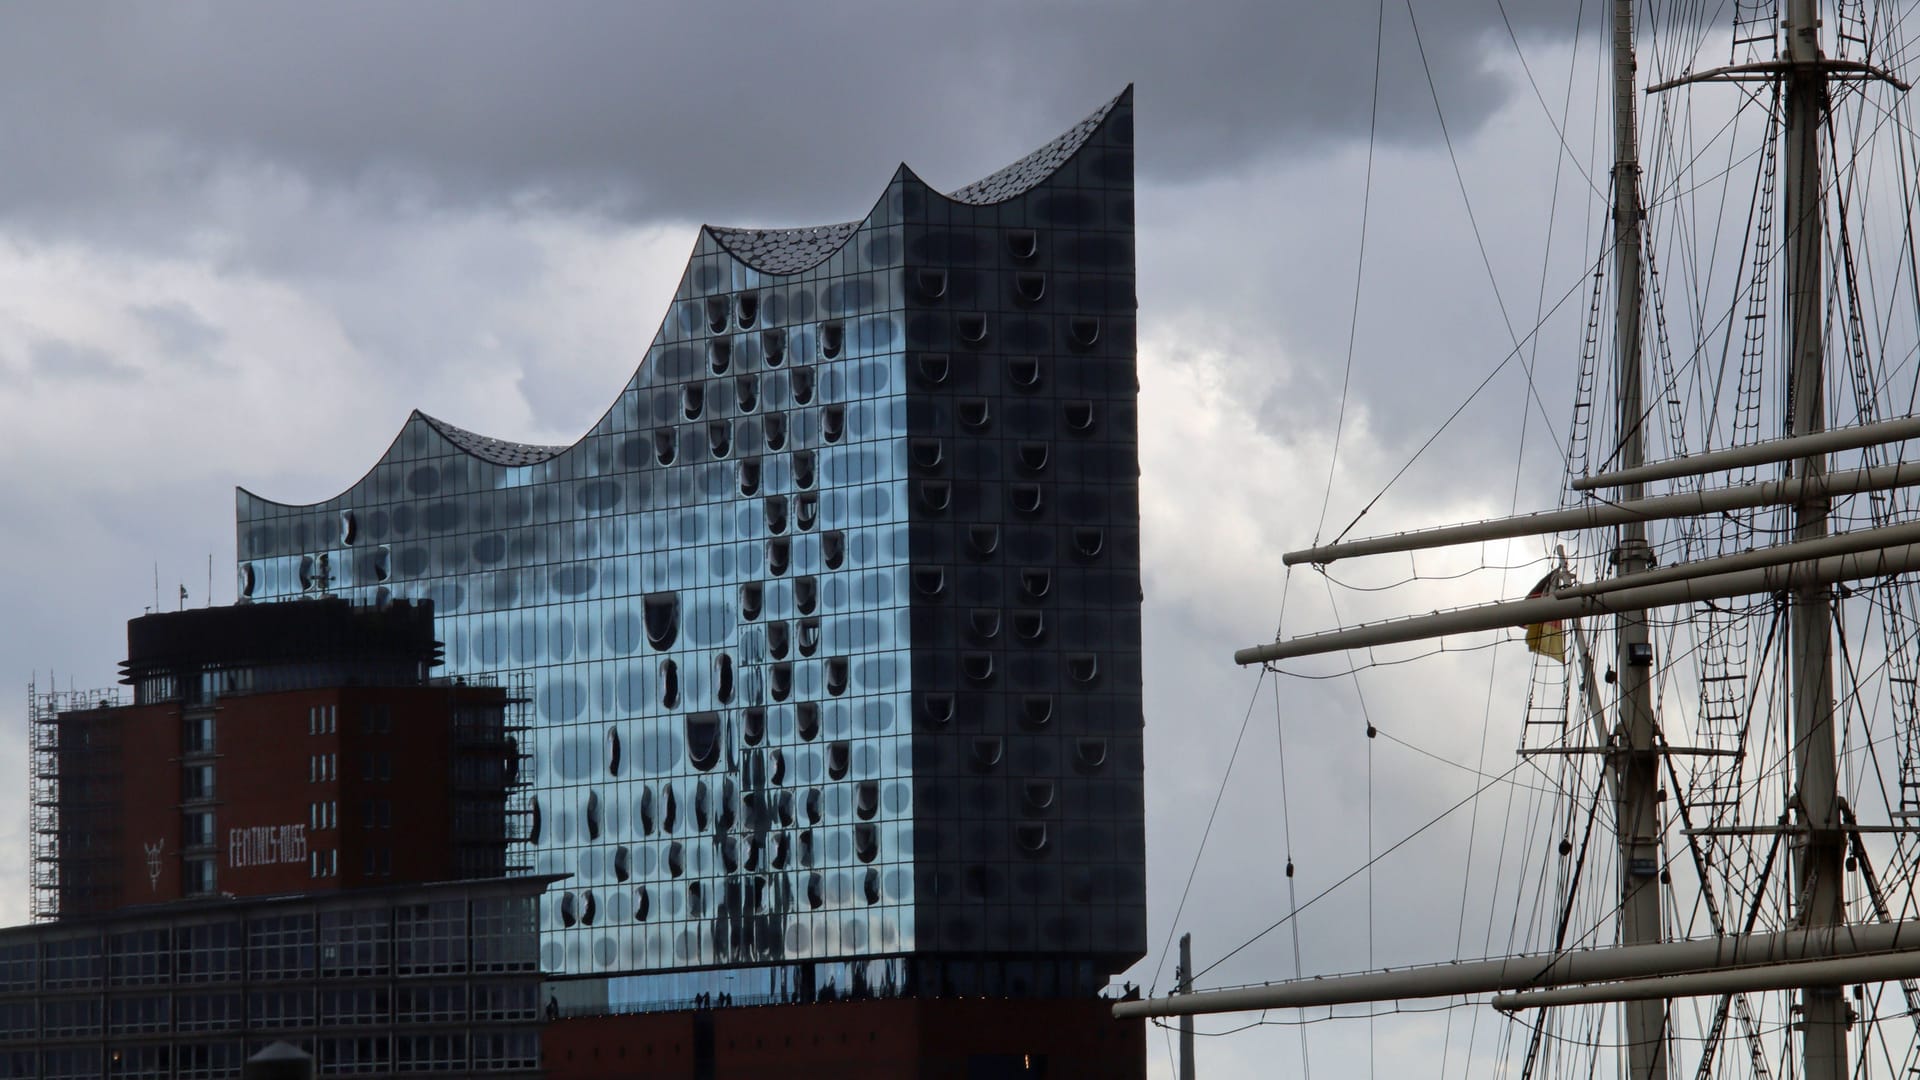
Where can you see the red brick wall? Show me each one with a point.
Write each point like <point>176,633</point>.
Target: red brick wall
<point>881,1040</point>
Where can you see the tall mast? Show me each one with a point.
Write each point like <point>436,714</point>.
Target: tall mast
<point>1636,762</point>
<point>1819,852</point>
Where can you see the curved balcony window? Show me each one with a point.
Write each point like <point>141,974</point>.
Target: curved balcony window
<point>1036,582</point>
<point>780,682</point>
<point>837,676</point>
<point>1023,244</point>
<point>1084,331</point>
<point>986,751</point>
<point>746,393</point>
<point>717,314</point>
<point>971,328</point>
<point>833,548</point>
<point>662,611</point>
<point>974,413</point>
<point>807,510</point>
<point>1024,372</point>
<point>1026,498</point>
<point>669,684</point>
<point>800,386</point>
<point>775,514</point>
<point>693,400</point>
<point>1029,626</point>
<point>665,445</point>
<point>752,596</point>
<point>1089,542</point>
<point>753,725</point>
<point>866,842</point>
<point>933,368</point>
<point>1029,287</point>
<point>833,339</point>
<point>977,666</point>
<point>806,594</point>
<point>1079,416</point>
<point>932,283</point>
<point>833,423</point>
<point>642,904</point>
<point>720,438</point>
<point>703,741</point>
<point>937,708</point>
<point>806,720</point>
<point>839,759</point>
<point>1033,456</point>
<point>779,555</point>
<point>746,308</point>
<point>779,639</point>
<point>805,469</point>
<point>983,540</point>
<point>775,426</point>
<point>719,355</point>
<point>984,623</point>
<point>773,347</point>
<point>808,638</point>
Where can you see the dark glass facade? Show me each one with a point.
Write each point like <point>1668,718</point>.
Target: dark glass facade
<point>435,980</point>
<point>832,622</point>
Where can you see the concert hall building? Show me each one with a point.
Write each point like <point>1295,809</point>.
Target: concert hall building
<point>830,626</point>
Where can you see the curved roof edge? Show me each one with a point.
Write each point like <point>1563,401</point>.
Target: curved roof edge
<point>489,449</point>
<point>782,251</point>
<point>793,251</point>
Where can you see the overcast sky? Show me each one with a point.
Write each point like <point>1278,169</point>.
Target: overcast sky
<point>238,242</point>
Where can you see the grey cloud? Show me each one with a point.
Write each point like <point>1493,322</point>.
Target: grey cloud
<point>66,360</point>
<point>181,332</point>
<point>790,107</point>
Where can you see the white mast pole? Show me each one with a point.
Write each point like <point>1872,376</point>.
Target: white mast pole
<point>1637,767</point>
<point>1820,849</point>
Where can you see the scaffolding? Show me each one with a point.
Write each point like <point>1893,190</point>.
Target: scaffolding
<point>44,709</point>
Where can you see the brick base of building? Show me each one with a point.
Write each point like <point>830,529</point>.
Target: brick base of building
<point>929,1039</point>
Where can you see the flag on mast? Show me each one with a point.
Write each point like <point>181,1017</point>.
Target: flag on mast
<point>1547,638</point>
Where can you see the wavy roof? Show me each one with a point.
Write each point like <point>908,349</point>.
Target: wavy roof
<point>488,448</point>
<point>790,251</point>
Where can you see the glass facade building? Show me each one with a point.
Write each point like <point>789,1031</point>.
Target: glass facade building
<point>832,622</point>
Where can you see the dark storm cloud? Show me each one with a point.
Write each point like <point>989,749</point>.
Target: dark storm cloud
<point>768,110</point>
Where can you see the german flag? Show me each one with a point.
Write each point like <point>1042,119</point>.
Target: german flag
<point>1547,638</point>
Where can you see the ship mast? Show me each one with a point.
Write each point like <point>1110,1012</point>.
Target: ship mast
<point>1636,761</point>
<point>1819,850</point>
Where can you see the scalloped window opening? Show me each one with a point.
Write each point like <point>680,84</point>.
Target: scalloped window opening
<point>1033,456</point>
<point>1026,498</point>
<point>747,393</point>
<point>1036,710</point>
<point>1024,372</point>
<point>720,438</point>
<point>664,446</point>
<point>693,400</point>
<point>929,580</point>
<point>800,386</point>
<point>703,748</point>
<point>752,597</point>
<point>809,636</point>
<point>775,426</point>
<point>1030,287</point>
<point>983,540</point>
<point>971,328</point>
<point>806,594</point>
<point>805,468</point>
<point>753,725</point>
<point>934,368</point>
<point>1084,330</point>
<point>1023,244</point>
<point>779,555</point>
<point>932,283</point>
<point>716,314</point>
<point>807,511</point>
<point>937,707</point>
<point>719,355</point>
<point>1079,415</point>
<point>669,684</point>
<point>780,682</point>
<point>806,720</point>
<point>775,514</point>
<point>839,760</point>
<point>662,611</point>
<point>984,623</point>
<point>936,495</point>
<point>833,338</point>
<point>975,413</point>
<point>750,477</point>
<point>833,548</point>
<point>773,347</point>
<point>833,422</point>
<point>747,309</point>
<point>837,675</point>
<point>779,638</point>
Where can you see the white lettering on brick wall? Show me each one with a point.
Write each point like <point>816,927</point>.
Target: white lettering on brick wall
<point>266,845</point>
